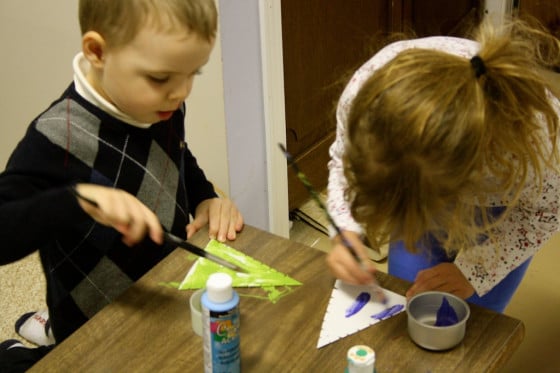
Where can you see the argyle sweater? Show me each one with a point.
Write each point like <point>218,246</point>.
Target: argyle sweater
<point>86,264</point>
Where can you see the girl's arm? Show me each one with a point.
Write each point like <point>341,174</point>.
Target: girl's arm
<point>525,230</point>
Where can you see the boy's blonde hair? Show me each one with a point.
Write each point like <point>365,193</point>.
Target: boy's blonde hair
<point>118,21</point>
<point>429,142</point>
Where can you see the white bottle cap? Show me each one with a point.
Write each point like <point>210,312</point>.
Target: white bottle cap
<point>219,287</point>
<point>361,359</point>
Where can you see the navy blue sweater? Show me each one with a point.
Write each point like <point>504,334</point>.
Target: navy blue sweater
<point>86,264</point>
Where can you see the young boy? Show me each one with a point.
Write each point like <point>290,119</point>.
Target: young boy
<point>114,137</point>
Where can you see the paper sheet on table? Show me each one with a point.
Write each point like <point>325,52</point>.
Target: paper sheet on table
<point>348,313</point>
<point>259,274</point>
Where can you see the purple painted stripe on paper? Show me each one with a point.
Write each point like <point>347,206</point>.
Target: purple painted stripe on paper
<point>359,303</point>
<point>388,312</point>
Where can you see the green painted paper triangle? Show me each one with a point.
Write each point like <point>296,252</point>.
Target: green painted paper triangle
<point>258,274</point>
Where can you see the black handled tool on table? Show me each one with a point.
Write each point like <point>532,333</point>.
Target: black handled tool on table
<point>174,240</point>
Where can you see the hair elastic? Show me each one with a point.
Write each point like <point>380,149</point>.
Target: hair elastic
<point>478,66</point>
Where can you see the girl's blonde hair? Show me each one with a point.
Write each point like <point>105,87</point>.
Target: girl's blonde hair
<point>429,142</point>
<point>118,21</point>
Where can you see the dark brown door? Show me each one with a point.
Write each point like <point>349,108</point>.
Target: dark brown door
<point>323,43</point>
<point>546,12</point>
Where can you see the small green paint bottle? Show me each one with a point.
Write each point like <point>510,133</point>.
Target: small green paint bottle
<point>361,359</point>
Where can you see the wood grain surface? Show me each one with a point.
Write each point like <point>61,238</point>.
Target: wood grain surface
<point>148,328</point>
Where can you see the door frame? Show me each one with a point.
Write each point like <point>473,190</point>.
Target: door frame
<point>274,115</point>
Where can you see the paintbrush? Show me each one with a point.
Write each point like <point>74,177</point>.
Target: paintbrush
<point>301,176</point>
<point>174,240</point>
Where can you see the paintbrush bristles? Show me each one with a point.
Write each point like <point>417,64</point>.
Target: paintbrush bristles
<point>285,151</point>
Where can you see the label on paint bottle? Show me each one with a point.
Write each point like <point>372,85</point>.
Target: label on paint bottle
<point>220,325</point>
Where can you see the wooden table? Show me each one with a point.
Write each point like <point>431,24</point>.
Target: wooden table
<point>148,328</point>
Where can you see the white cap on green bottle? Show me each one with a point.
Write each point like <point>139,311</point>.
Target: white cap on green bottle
<point>361,359</point>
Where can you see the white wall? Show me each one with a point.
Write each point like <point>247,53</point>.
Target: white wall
<point>205,121</point>
<point>38,40</point>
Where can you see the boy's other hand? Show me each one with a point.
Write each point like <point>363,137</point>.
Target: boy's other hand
<point>222,216</point>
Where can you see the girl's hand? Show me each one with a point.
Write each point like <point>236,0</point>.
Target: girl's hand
<point>122,211</point>
<point>344,266</point>
<point>222,216</point>
<point>442,277</point>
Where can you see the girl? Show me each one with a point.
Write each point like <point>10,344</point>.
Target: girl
<point>447,149</point>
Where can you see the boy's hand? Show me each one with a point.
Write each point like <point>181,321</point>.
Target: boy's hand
<point>442,277</point>
<point>344,266</point>
<point>222,216</point>
<point>122,211</point>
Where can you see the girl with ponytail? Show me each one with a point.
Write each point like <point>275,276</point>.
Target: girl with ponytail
<point>447,150</point>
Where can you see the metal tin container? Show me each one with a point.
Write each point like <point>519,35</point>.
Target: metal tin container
<point>422,314</point>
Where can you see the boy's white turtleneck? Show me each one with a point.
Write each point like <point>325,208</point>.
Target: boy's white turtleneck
<point>81,67</point>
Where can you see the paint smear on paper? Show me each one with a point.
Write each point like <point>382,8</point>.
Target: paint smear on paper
<point>388,312</point>
<point>336,323</point>
<point>275,284</point>
<point>359,303</point>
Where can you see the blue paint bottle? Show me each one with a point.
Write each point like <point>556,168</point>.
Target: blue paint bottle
<point>220,325</point>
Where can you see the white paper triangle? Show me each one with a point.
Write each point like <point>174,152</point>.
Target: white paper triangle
<point>340,321</point>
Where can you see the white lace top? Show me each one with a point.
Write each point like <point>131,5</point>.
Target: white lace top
<point>529,225</point>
